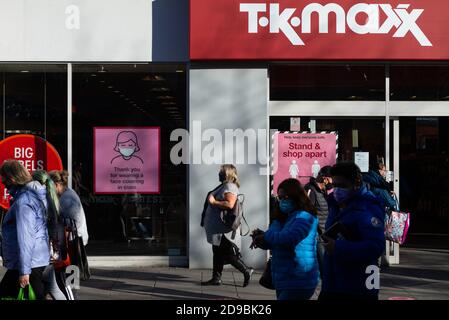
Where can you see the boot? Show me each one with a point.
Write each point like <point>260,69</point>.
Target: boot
<point>247,276</point>
<point>215,281</point>
<point>240,266</point>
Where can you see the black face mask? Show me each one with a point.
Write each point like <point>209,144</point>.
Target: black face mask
<point>329,186</point>
<point>221,176</point>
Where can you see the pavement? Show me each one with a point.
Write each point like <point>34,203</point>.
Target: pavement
<point>423,274</point>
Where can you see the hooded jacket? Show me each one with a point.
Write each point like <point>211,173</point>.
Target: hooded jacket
<point>294,263</point>
<point>345,270</point>
<point>25,243</point>
<point>380,188</point>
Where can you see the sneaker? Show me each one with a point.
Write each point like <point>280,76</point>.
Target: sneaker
<point>212,282</point>
<point>247,276</point>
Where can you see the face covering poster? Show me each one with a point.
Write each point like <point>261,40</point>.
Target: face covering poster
<point>301,156</point>
<point>127,160</point>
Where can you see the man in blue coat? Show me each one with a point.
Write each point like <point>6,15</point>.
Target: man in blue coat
<point>354,238</point>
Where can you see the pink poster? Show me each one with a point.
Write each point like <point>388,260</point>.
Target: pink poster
<point>127,160</point>
<point>301,155</point>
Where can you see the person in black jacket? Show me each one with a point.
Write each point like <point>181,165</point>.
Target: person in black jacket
<point>317,191</point>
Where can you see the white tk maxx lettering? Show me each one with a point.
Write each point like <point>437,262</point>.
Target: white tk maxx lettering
<point>285,21</point>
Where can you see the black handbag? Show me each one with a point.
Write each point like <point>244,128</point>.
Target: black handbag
<point>266,279</point>
<point>79,256</point>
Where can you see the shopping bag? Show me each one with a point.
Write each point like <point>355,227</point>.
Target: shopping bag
<point>397,224</point>
<point>31,295</point>
<point>22,296</point>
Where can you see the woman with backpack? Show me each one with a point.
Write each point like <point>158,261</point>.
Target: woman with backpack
<point>25,243</point>
<point>292,239</point>
<point>224,242</point>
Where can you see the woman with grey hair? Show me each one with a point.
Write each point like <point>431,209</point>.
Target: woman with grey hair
<point>225,247</point>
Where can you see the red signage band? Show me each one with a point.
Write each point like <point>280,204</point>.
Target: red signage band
<point>33,152</point>
<point>319,30</point>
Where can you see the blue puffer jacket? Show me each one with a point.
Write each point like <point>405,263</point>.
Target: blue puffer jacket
<point>294,262</point>
<point>25,242</point>
<point>344,271</point>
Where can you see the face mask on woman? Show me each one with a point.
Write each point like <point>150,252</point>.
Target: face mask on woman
<point>342,194</point>
<point>221,176</point>
<point>287,206</point>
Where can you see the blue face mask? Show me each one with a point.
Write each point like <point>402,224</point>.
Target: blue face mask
<point>342,194</point>
<point>287,206</point>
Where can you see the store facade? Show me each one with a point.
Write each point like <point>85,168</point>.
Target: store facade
<point>376,73</point>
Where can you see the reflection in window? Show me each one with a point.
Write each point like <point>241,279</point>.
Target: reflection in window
<point>131,96</point>
<point>327,82</point>
<point>34,101</point>
<point>24,103</point>
<point>415,83</point>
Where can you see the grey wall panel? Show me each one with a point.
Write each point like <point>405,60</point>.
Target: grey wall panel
<point>227,99</point>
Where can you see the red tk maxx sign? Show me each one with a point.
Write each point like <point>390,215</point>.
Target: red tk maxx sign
<point>33,152</point>
<point>319,30</point>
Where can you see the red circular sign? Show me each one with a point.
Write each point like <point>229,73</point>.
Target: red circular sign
<point>33,152</point>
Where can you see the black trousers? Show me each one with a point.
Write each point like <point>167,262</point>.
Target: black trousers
<point>9,286</point>
<point>227,253</point>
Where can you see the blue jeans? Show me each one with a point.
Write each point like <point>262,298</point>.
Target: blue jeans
<point>294,294</point>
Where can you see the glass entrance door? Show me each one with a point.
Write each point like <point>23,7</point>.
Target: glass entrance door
<point>424,176</point>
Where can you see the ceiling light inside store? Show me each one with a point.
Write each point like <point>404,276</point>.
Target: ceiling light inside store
<point>165,97</point>
<point>179,71</point>
<point>413,97</point>
<point>110,87</point>
<point>24,71</point>
<point>151,77</point>
<point>160,89</point>
<point>93,75</point>
<point>102,70</point>
<point>169,103</point>
<point>116,91</point>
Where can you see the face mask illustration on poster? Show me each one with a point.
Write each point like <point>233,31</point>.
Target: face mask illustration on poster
<point>127,145</point>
